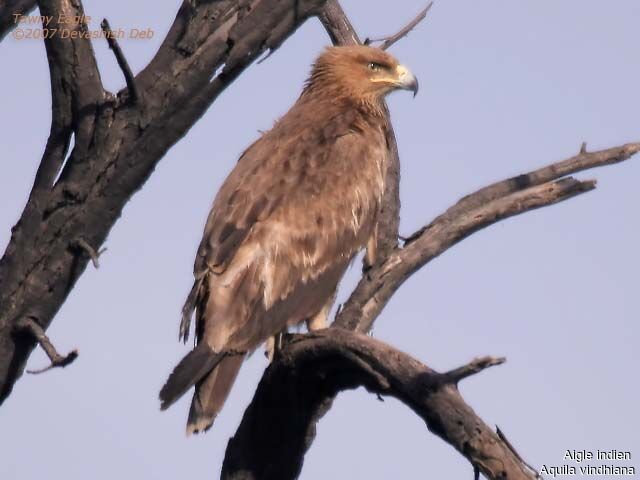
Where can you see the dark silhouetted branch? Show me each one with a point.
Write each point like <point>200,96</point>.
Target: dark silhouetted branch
<point>35,330</point>
<point>134,95</point>
<point>8,11</point>
<point>271,441</point>
<point>337,25</point>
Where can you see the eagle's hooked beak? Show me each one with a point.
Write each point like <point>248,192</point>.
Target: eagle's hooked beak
<point>406,79</point>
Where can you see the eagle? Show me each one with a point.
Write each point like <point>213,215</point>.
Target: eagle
<point>300,203</point>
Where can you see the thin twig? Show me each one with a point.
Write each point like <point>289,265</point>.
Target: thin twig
<point>388,41</point>
<point>577,163</point>
<point>475,366</point>
<point>90,251</point>
<point>583,148</point>
<point>57,360</point>
<point>506,441</point>
<point>122,61</point>
<point>266,57</point>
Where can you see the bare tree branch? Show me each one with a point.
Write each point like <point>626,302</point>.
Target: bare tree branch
<point>337,24</point>
<point>388,41</point>
<point>134,95</point>
<point>8,11</point>
<point>578,163</point>
<point>34,329</point>
<point>472,368</point>
<point>472,213</point>
<point>313,368</point>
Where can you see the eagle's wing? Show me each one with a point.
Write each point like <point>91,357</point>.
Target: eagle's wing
<point>298,200</point>
<point>244,198</point>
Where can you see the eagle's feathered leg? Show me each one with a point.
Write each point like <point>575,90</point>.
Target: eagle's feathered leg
<point>370,255</point>
<point>273,345</point>
<point>319,320</point>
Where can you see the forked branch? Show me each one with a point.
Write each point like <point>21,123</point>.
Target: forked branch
<point>513,196</point>
<point>134,95</point>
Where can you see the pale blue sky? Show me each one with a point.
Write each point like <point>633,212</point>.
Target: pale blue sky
<point>505,87</point>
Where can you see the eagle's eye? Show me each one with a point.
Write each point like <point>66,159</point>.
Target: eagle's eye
<point>376,67</point>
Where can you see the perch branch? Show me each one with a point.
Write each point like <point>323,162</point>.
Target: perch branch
<point>57,360</point>
<point>388,41</point>
<point>312,369</point>
<point>134,95</point>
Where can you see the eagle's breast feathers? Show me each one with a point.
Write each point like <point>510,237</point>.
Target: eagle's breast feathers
<point>296,204</point>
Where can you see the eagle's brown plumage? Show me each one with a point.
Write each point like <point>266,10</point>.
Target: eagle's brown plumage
<point>300,203</point>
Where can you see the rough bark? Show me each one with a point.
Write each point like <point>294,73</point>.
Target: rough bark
<point>117,144</point>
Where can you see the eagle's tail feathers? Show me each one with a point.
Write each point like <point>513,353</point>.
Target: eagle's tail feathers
<point>211,394</point>
<point>192,368</point>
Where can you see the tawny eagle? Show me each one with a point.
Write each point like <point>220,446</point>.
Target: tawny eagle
<point>301,202</point>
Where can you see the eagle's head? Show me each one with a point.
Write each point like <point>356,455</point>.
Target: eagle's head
<point>361,71</point>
